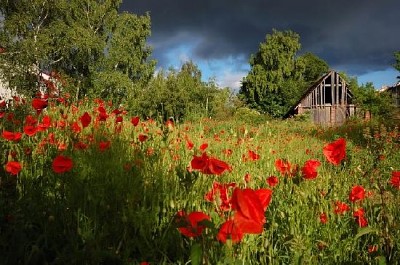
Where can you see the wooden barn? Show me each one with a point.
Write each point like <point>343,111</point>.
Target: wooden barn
<point>394,93</point>
<point>329,101</point>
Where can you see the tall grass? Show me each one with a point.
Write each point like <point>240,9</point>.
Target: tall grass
<point>118,205</point>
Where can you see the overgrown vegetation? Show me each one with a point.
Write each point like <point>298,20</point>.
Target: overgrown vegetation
<point>89,183</point>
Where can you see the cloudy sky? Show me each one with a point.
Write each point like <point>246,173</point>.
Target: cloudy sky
<point>355,36</point>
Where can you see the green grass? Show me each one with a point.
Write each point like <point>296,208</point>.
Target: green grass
<point>118,206</point>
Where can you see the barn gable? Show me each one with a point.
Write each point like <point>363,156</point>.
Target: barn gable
<point>329,101</point>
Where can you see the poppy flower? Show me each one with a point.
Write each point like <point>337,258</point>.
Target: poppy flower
<point>39,104</point>
<point>85,119</point>
<point>272,181</point>
<point>341,207</point>
<point>29,120</point>
<point>395,180</point>
<point>323,218</point>
<point>135,121</point>
<point>189,224</point>
<point>229,230</point>
<point>249,210</point>
<point>45,124</point>
<point>247,178</point>
<point>360,218</point>
<point>104,145</point>
<point>285,167</point>
<point>222,190</point>
<point>30,130</point>
<point>209,165</point>
<point>309,169</point>
<point>75,127</point>
<point>357,193</point>
<point>227,152</point>
<point>252,155</point>
<point>142,137</point>
<point>335,152</point>
<point>11,136</point>
<point>13,167</point>
<point>62,164</point>
<point>203,147</point>
<point>189,144</point>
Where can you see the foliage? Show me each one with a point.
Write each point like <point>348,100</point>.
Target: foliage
<point>397,64</point>
<point>277,78</point>
<point>181,95</point>
<point>131,178</point>
<point>89,42</point>
<point>369,99</point>
<point>314,67</point>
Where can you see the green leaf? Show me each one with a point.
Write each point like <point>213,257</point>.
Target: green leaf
<point>364,231</point>
<point>196,254</point>
<point>381,260</point>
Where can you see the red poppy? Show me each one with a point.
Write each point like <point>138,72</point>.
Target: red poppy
<point>189,144</point>
<point>249,211</point>
<point>395,179</point>
<point>203,147</point>
<point>39,104</point>
<point>189,224</point>
<point>118,119</point>
<point>357,193</point>
<point>80,145</point>
<point>227,152</point>
<point>224,199</point>
<point>102,114</point>
<point>360,218</point>
<point>285,168</point>
<point>85,119</point>
<point>104,145</point>
<point>310,169</point>
<point>75,127</point>
<point>335,152</point>
<point>229,230</point>
<point>45,124</point>
<point>252,155</point>
<point>142,137</point>
<point>30,130</point>
<point>13,167</point>
<point>11,136</point>
<point>29,120</point>
<point>272,181</point>
<point>372,248</point>
<point>209,165</point>
<point>341,207</point>
<point>62,164</point>
<point>247,178</point>
<point>323,218</point>
<point>135,121</point>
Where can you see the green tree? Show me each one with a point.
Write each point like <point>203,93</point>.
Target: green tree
<point>181,95</point>
<point>314,67</point>
<point>397,64</point>
<point>367,98</point>
<point>102,51</point>
<point>274,81</point>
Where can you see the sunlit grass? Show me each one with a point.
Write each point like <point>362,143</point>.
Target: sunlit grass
<point>118,203</point>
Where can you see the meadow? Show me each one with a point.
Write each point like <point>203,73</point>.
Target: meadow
<point>91,183</point>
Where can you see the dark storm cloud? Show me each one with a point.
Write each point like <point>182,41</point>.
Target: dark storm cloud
<point>357,36</point>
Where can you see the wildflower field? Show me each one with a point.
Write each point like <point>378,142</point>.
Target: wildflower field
<point>91,183</point>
